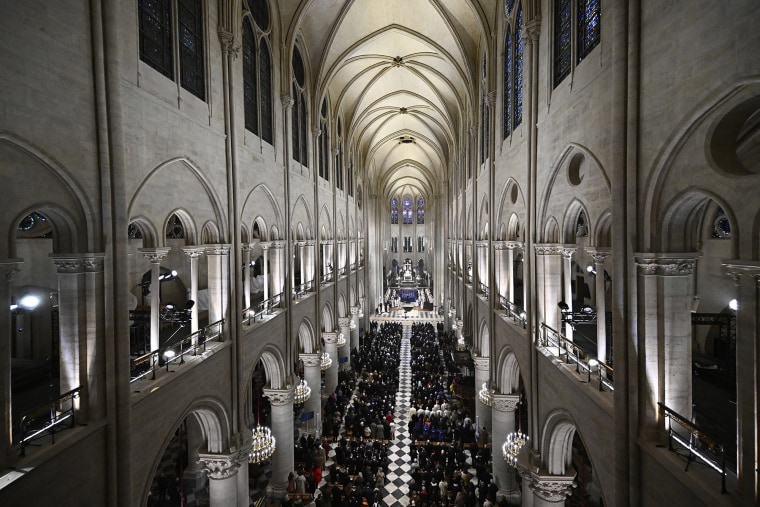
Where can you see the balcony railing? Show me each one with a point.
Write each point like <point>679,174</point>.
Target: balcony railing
<point>302,289</point>
<point>553,339</point>
<point>174,352</point>
<point>341,271</point>
<point>48,419</point>
<point>251,315</point>
<point>484,289</point>
<point>352,267</point>
<point>326,278</point>
<point>515,312</point>
<point>697,443</point>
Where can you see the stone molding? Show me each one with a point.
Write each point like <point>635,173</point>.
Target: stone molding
<point>344,322</point>
<point>505,402</point>
<point>568,251</point>
<point>10,267</point>
<point>736,268</point>
<point>499,245</point>
<point>221,249</point>
<point>599,254</point>
<point>155,255</point>
<point>265,245</point>
<point>309,242</point>
<point>287,101</point>
<point>514,244</point>
<point>194,251</point>
<point>277,243</point>
<point>552,488</point>
<point>246,247</point>
<point>548,248</point>
<point>219,466</point>
<point>354,310</point>
<point>330,338</point>
<point>311,360</point>
<point>279,397</point>
<point>482,363</point>
<point>78,263</point>
<point>683,265</point>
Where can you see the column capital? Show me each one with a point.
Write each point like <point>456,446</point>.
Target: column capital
<point>309,242</point>
<point>219,466</point>
<point>331,337</point>
<point>682,264</point>
<point>78,263</point>
<point>155,255</point>
<point>194,251</point>
<point>548,248</point>
<point>316,132</point>
<point>499,245</point>
<point>736,268</point>
<point>552,488</point>
<point>344,321</point>
<point>287,101</point>
<point>9,268</point>
<point>277,243</point>
<point>265,245</point>
<point>246,247</point>
<point>599,254</point>
<point>568,251</point>
<point>220,249</point>
<point>279,397</point>
<point>514,245</point>
<point>505,402</point>
<point>354,310</point>
<point>532,29</point>
<point>482,363</point>
<point>311,360</point>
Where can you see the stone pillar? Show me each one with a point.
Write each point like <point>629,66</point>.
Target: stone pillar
<point>194,253</point>
<point>503,415</point>
<point>281,401</point>
<point>246,249</point>
<point>344,324</point>
<point>278,278</point>
<point>154,255</point>
<point>549,263</point>
<point>550,491</point>
<point>218,281</point>
<point>92,368</point>
<point>567,272</point>
<point>265,257</point>
<point>8,269</point>
<point>459,325</point>
<point>302,262</point>
<point>222,470</point>
<point>502,276</point>
<point>599,255</point>
<point>72,319</point>
<point>310,264</point>
<point>331,374</point>
<point>510,248</point>
<point>482,375</point>
<point>312,373</point>
<point>746,274</point>
<point>354,326</point>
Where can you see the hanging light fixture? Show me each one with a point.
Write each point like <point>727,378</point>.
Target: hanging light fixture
<point>341,340</point>
<point>512,447</point>
<point>485,395</point>
<point>263,442</point>
<point>302,393</point>
<point>326,361</point>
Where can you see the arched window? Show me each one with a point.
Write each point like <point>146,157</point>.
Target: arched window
<point>257,71</point>
<point>394,210</point>
<point>721,226</point>
<point>324,142</point>
<point>484,114</point>
<point>406,211</point>
<point>580,21</point>
<point>174,228</point>
<point>299,120</point>
<point>581,227</point>
<point>157,32</point>
<point>339,158</point>
<point>420,210</point>
<point>513,72</point>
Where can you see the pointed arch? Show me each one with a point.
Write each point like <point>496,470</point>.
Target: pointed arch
<point>261,205</point>
<point>306,338</point>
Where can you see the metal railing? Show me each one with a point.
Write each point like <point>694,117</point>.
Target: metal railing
<point>341,271</point>
<point>698,444</point>
<point>484,289</point>
<point>574,354</point>
<point>326,278</point>
<point>352,267</point>
<point>251,315</point>
<point>174,352</point>
<point>48,419</point>
<point>515,312</point>
<point>302,289</point>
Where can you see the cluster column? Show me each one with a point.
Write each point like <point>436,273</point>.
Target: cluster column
<point>312,373</point>
<point>482,376</point>
<point>503,413</point>
<point>331,374</point>
<point>344,327</point>
<point>281,401</point>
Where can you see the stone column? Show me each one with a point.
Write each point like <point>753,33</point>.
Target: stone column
<point>312,373</point>
<point>154,255</point>
<point>355,330</point>
<point>567,272</point>
<point>246,249</point>
<point>482,375</point>
<point>281,401</point>
<point>310,264</point>
<point>72,319</point>
<point>550,491</point>
<point>510,247</point>
<point>746,274</point>
<point>549,263</point>
<point>331,374</point>
<point>501,275</point>
<point>599,255</point>
<point>265,257</point>
<point>503,414</point>
<point>92,369</point>
<point>222,471</point>
<point>302,262</point>
<point>218,281</point>
<point>194,253</point>
<point>8,269</point>
<point>344,324</point>
<point>459,325</point>
<point>277,272</point>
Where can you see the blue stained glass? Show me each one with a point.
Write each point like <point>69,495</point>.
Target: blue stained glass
<point>562,40</point>
<point>589,29</point>
<point>507,98</point>
<point>249,79</point>
<point>518,105</point>
<point>510,4</point>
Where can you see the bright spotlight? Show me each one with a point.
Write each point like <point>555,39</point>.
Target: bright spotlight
<point>590,268</point>
<point>29,302</point>
<point>174,273</point>
<point>169,354</point>
<point>733,304</point>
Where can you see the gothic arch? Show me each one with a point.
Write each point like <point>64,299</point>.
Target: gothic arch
<point>261,206</point>
<point>551,231</point>
<point>327,318</point>
<point>508,378</point>
<point>306,337</point>
<point>570,232</point>
<point>274,367</point>
<point>191,232</point>
<point>148,231</point>
<point>484,339</point>
<point>557,442</point>
<point>342,310</point>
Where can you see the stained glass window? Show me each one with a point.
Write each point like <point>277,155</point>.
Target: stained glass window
<point>518,104</point>
<point>30,221</point>
<point>581,228</point>
<point>507,97</point>
<point>134,232</point>
<point>589,29</point>
<point>407,211</point>
<point>420,210</point>
<point>323,143</point>
<point>260,12</point>
<point>562,39</point>
<point>265,91</point>
<point>509,4</point>
<point>155,25</point>
<point>174,228</point>
<point>250,96</point>
<point>192,74</point>
<point>394,210</point>
<point>339,162</point>
<point>721,225</point>
<point>294,125</point>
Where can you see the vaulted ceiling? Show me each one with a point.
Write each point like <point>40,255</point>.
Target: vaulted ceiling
<point>402,74</point>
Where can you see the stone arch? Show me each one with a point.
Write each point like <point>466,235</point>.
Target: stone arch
<point>603,230</point>
<point>260,206</point>
<point>483,218</point>
<point>327,318</point>
<point>245,236</point>
<point>570,232</point>
<point>148,231</point>
<point>508,377</point>
<point>274,367</point>
<point>306,337</point>
<point>342,309</point>
<point>210,234</point>
<point>63,228</point>
<point>513,228</point>
<point>259,229</point>
<point>551,231</point>
<point>190,231</point>
<point>302,213</point>
<point>484,339</point>
<point>557,442</point>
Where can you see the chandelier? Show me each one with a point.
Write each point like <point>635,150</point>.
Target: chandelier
<point>301,393</point>
<point>512,447</point>
<point>341,340</point>
<point>485,395</point>
<point>263,445</point>
<point>326,361</point>
<point>352,325</point>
